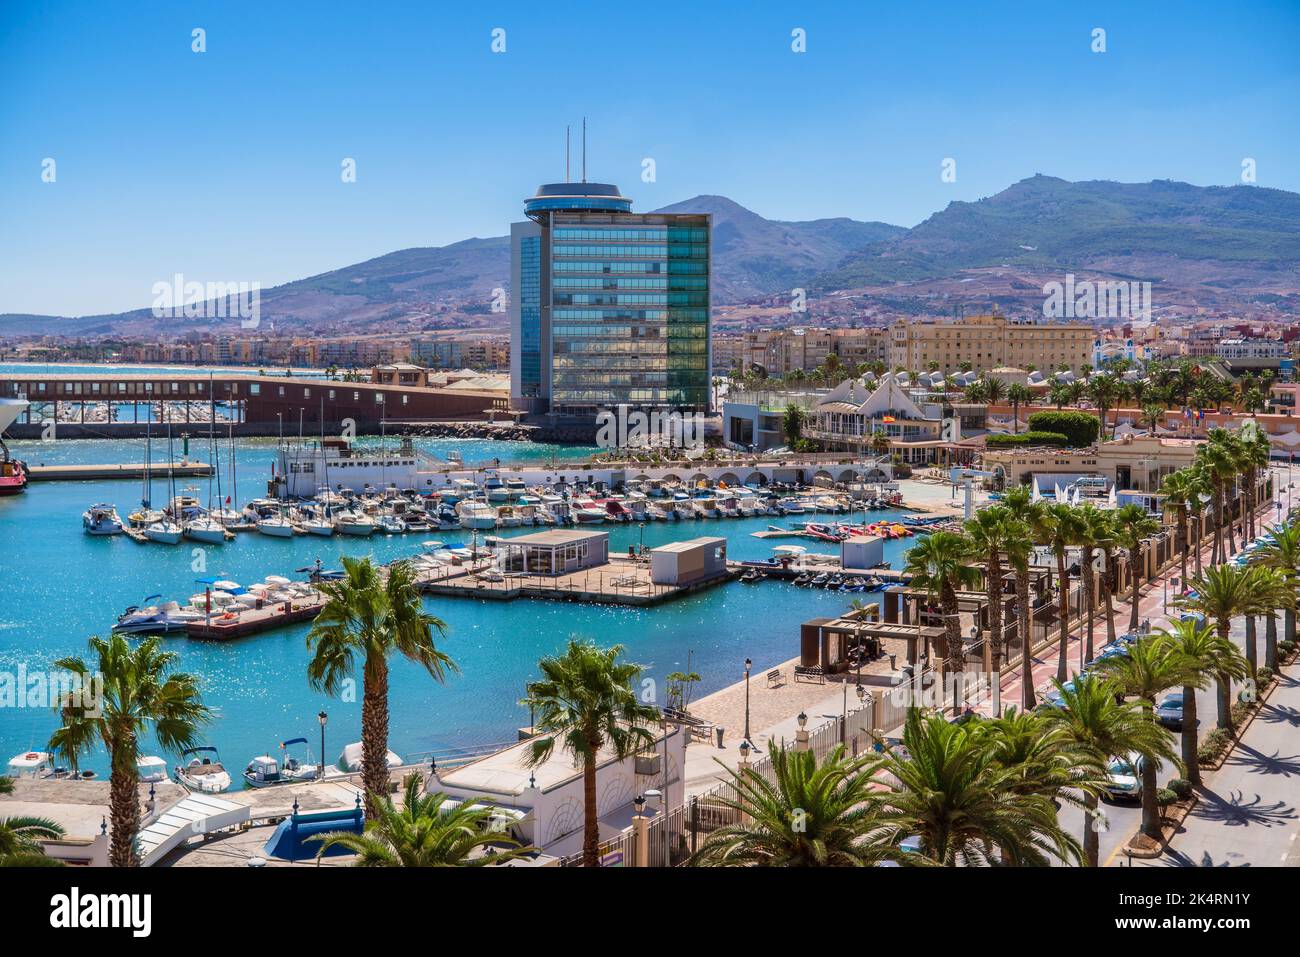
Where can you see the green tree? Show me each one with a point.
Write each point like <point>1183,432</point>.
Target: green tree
<point>964,804</point>
<point>1150,668</point>
<point>1019,554</point>
<point>938,565</point>
<point>792,424</point>
<point>1133,526</point>
<point>1018,395</point>
<point>425,832</point>
<point>1209,656</point>
<point>990,533</point>
<point>1106,727</point>
<point>809,814</point>
<point>371,614</point>
<point>20,841</point>
<point>1057,526</point>
<point>1282,554</point>
<point>585,701</point>
<point>140,693</point>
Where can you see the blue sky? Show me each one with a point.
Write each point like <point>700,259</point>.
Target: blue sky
<point>225,165</point>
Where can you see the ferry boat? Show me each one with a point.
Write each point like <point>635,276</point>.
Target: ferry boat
<point>13,472</point>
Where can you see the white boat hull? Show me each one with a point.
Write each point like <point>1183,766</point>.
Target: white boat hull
<point>276,529</point>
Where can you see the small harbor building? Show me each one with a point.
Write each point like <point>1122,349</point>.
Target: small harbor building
<point>555,552</point>
<point>688,562</point>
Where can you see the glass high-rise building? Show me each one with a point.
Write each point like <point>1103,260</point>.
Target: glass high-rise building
<point>609,307</point>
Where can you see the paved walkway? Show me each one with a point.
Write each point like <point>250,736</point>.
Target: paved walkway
<point>1247,815</point>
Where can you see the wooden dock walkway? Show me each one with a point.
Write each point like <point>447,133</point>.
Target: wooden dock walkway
<point>96,473</point>
<point>254,620</point>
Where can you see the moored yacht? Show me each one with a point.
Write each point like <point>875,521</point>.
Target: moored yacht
<point>354,523</point>
<point>476,515</point>
<point>164,531</point>
<point>101,520</point>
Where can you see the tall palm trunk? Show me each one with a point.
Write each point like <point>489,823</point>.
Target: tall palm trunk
<point>1200,538</point>
<point>1063,609</point>
<point>1218,558</point>
<point>1189,735</point>
<point>1150,807</point>
<point>374,733</point>
<point>1227,506</point>
<point>1089,596</point>
<point>1027,701</point>
<point>1270,640</point>
<point>1134,563</point>
<point>590,812</point>
<point>994,591</point>
<point>1288,624</point>
<point>123,802</point>
<point>1108,595</point>
<point>955,659</point>
<point>1252,645</point>
<point>1223,686</point>
<point>1091,837</point>
<point>1183,534</point>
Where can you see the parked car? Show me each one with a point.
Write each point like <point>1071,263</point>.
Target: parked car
<point>1170,711</point>
<point>1123,779</point>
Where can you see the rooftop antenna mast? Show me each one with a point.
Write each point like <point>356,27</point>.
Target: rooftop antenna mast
<point>566,153</point>
<point>584,149</point>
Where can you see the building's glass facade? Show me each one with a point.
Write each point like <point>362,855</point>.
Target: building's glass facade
<point>628,302</point>
<point>530,308</point>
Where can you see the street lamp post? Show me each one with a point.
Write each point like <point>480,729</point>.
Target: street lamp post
<point>748,665</point>
<point>641,525</point>
<point>322,718</point>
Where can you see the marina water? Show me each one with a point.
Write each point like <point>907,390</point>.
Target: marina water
<point>60,586</point>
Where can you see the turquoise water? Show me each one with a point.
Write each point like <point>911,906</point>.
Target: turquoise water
<point>58,586</point>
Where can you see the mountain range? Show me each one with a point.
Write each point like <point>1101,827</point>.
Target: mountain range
<point>1218,247</point>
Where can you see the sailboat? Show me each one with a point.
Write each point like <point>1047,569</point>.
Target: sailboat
<point>164,530</point>
<point>206,527</point>
<point>322,523</point>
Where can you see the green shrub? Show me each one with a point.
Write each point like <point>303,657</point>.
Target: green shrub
<point>1027,438</point>
<point>1214,744</point>
<point>1263,676</point>
<point>1079,428</point>
<point>1180,787</point>
<point>1165,797</point>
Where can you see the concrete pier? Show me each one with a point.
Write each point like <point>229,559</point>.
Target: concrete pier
<point>96,473</point>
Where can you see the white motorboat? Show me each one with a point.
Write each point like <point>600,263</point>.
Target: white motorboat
<point>508,517</point>
<point>206,529</point>
<point>476,515</point>
<point>516,486</point>
<point>151,768</point>
<point>155,619</point>
<point>203,773</point>
<point>164,532</point>
<point>30,764</point>
<point>350,759</point>
<point>585,511</point>
<point>101,520</point>
<point>390,525</point>
<point>495,488</point>
<point>791,506</point>
<point>354,523</point>
<point>265,771</point>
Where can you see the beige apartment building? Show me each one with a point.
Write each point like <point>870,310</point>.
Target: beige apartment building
<point>989,342</point>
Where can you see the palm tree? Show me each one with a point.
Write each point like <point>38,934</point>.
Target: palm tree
<point>1209,655</point>
<point>1019,554</point>
<point>1133,526</point>
<point>585,700</point>
<point>1202,491</point>
<point>1057,526</point>
<point>1219,461</point>
<point>990,532</point>
<point>370,616</point>
<point>425,833</point>
<point>1226,592</point>
<point>1106,727</point>
<point>1103,390</point>
<point>127,692</point>
<point>1150,668</point>
<point>1179,489</point>
<point>1282,554</point>
<point>957,796</point>
<point>995,389</point>
<point>807,815</point>
<point>1255,454</point>
<point>1095,530</point>
<point>20,841</point>
<point>938,565</point>
<point>1018,395</point>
